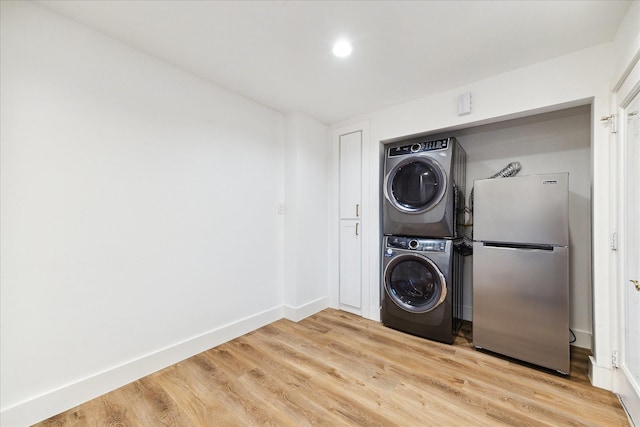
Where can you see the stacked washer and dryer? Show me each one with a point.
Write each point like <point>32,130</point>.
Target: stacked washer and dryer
<point>423,213</point>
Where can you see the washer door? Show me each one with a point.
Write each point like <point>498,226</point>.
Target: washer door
<point>414,283</point>
<point>415,185</point>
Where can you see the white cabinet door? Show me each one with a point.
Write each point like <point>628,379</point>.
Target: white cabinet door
<point>350,264</point>
<point>351,175</point>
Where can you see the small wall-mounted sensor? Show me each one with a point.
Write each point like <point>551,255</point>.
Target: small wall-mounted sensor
<point>464,103</point>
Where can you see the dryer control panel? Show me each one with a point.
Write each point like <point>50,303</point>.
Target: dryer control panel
<point>418,147</point>
<point>424,245</point>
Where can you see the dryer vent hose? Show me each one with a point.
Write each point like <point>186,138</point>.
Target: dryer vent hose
<point>510,170</point>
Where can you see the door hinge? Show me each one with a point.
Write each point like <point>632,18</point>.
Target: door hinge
<point>614,359</point>
<point>611,122</point>
<point>614,241</point>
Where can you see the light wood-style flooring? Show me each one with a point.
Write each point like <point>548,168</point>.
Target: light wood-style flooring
<point>338,369</point>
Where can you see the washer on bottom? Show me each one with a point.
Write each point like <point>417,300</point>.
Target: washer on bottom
<point>420,296</point>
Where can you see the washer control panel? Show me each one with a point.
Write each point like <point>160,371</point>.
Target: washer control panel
<point>416,244</point>
<point>418,147</point>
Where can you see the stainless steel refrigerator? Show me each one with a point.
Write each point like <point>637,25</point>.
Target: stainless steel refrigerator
<point>521,268</point>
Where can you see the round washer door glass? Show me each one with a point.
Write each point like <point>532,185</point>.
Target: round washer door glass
<point>416,186</point>
<point>415,283</point>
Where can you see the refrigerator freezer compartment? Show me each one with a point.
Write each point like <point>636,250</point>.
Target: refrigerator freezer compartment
<point>531,209</point>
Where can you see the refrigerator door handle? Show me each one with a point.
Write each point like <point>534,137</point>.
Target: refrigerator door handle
<point>549,248</point>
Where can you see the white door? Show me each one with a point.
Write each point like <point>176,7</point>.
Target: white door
<point>629,375</point>
<point>350,175</point>
<point>350,265</point>
<point>350,224</point>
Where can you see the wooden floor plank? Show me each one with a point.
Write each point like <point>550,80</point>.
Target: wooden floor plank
<point>282,387</point>
<point>337,388</point>
<point>364,376</point>
<point>335,368</point>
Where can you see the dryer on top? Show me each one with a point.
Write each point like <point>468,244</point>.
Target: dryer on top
<point>424,182</point>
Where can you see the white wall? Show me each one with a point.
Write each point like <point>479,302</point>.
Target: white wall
<point>139,214</point>
<point>306,216</point>
<point>580,78</point>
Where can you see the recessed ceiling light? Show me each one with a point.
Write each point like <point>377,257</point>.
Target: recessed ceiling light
<point>342,48</point>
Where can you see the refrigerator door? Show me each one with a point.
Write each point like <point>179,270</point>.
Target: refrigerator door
<point>521,303</point>
<point>530,209</point>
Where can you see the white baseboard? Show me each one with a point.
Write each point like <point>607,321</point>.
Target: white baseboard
<point>583,339</point>
<point>296,314</point>
<point>600,376</point>
<point>66,397</point>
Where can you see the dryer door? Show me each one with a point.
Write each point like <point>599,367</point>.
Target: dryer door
<point>414,283</point>
<point>415,185</point>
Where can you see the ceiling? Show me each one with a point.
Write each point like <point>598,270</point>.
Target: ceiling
<point>278,53</point>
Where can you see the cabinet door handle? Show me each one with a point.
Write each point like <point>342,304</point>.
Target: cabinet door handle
<point>357,228</point>
<point>357,210</point>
